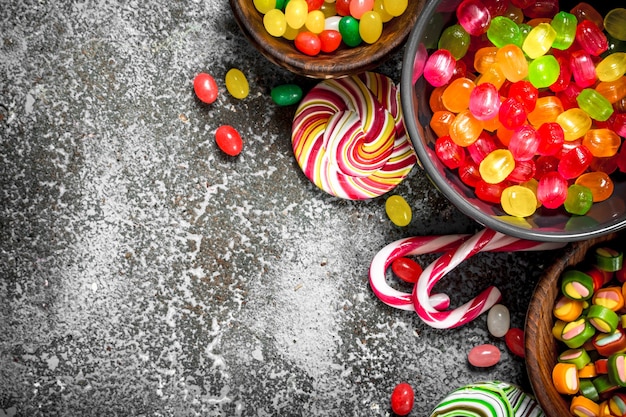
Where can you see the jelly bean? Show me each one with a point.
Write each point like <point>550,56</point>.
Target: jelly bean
<point>503,31</point>
<point>315,21</point>
<point>485,58</point>
<point>518,201</point>
<point>468,172</point>
<point>329,9</point>
<point>474,16</point>
<point>484,356</point>
<point>565,75</point>
<point>290,33</point>
<point>264,6</point>
<point>565,26</point>
<point>439,68</point>
<point>379,6</point>
<point>496,166</point>
<point>551,138</point>
<point>370,27</point>
<point>565,378</point>
<point>456,40</point>
<point>395,7</point>
<point>342,7</point>
<point>590,38</point>
<point>512,113</point>
<point>440,122</point>
<point>539,40</point>
<point>451,154</point>
<point>280,4</point>
<point>574,162</point>
<point>332,23</point>
<point>275,22</point>
<point>545,164</point>
<point>600,184</point>
<point>524,143</point>
<point>398,210</point>
<point>583,68</point>
<point>602,142</point>
<point>349,29</point>
<point>481,147</point>
<point>579,199</point>
<point>596,106</point>
<point>228,140</point>
<point>359,7</point>
<point>543,71</point>
<point>512,62</point>
<point>584,11</point>
<point>296,12</point>
<point>465,128</point>
<point>575,123</point>
<point>523,172</point>
<point>406,269</point>
<point>525,92</point>
<point>552,190</point>
<point>489,192</point>
<point>615,23</point>
<point>205,88</point>
<point>308,43</point>
<point>484,101</point>
<point>546,110</point>
<point>286,94</point>
<point>329,40</point>
<point>402,399</point>
<point>237,83</point>
<point>514,339</point>
<point>456,96</point>
<point>498,320</point>
<point>612,68</point>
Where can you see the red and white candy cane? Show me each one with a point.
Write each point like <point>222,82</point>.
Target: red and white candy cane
<point>417,245</point>
<point>486,240</point>
<point>456,248</point>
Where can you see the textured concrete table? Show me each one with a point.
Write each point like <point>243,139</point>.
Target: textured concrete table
<point>145,273</point>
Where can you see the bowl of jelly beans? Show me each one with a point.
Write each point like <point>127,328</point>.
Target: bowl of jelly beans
<point>326,38</point>
<point>575,330</point>
<point>517,112</point>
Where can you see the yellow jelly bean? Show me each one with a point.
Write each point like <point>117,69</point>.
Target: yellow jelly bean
<point>395,7</point>
<point>398,210</point>
<point>496,166</point>
<point>329,9</point>
<point>518,201</point>
<point>612,67</point>
<point>315,21</point>
<point>379,6</point>
<point>264,6</point>
<point>275,22</point>
<point>237,84</point>
<point>296,12</point>
<point>370,27</point>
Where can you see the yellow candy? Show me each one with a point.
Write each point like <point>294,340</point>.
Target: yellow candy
<point>237,84</point>
<point>264,6</point>
<point>275,22</point>
<point>296,12</point>
<point>379,6</point>
<point>398,210</point>
<point>370,27</point>
<point>395,7</point>
<point>496,166</point>
<point>518,201</point>
<point>315,21</point>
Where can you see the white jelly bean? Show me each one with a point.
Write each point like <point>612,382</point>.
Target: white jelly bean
<point>498,320</point>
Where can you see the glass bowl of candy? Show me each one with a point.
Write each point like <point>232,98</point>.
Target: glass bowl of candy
<point>326,39</point>
<point>517,112</point>
<point>575,337</point>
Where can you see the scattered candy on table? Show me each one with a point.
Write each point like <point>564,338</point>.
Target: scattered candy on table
<point>398,210</point>
<point>566,113</point>
<point>205,87</point>
<point>498,320</point>
<point>402,399</point>
<point>484,356</point>
<point>228,140</point>
<point>286,94</point>
<point>237,83</point>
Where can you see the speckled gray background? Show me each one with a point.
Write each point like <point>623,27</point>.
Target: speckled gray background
<point>144,273</point>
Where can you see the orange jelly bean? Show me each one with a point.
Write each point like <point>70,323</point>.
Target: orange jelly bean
<point>484,58</point>
<point>600,184</point>
<point>465,128</point>
<point>441,121</point>
<point>456,96</point>
<point>613,91</point>
<point>602,142</point>
<point>546,110</point>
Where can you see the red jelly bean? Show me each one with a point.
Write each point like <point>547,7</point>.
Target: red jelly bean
<point>228,140</point>
<point>342,7</point>
<point>514,340</point>
<point>308,43</point>
<point>329,40</point>
<point>402,399</point>
<point>591,38</point>
<point>526,93</point>
<point>205,87</point>
<point>551,138</point>
<point>449,152</point>
<point>512,113</point>
<point>574,162</point>
<point>484,356</point>
<point>545,164</point>
<point>552,190</point>
<point>406,269</point>
<point>314,4</point>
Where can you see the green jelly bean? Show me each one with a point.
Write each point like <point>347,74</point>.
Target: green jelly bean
<point>543,71</point>
<point>349,29</point>
<point>594,104</point>
<point>579,199</point>
<point>565,25</point>
<point>456,40</point>
<point>504,31</point>
<point>286,94</point>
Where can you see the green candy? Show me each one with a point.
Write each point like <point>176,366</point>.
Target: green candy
<point>576,285</point>
<point>594,104</point>
<point>603,318</point>
<point>609,259</point>
<point>286,94</point>
<point>349,29</point>
<point>589,390</point>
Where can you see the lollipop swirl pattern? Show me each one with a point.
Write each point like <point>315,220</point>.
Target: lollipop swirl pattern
<point>349,139</point>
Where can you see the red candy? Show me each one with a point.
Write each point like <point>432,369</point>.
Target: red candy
<point>228,140</point>
<point>329,40</point>
<point>205,87</point>
<point>402,399</point>
<point>406,269</point>
<point>308,43</point>
<point>514,340</point>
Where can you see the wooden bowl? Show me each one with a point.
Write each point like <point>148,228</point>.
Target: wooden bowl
<point>541,347</point>
<point>344,61</point>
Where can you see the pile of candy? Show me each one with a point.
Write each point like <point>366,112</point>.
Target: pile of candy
<point>322,26</point>
<point>529,103</point>
<point>589,324</point>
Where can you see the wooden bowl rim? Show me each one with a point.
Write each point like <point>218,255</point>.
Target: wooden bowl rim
<point>345,61</point>
<point>540,346</point>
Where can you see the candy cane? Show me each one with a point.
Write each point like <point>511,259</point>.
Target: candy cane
<point>483,241</point>
<point>417,245</point>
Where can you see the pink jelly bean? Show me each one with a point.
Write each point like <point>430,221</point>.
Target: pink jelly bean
<point>583,69</point>
<point>439,67</point>
<point>574,162</point>
<point>484,356</point>
<point>473,16</point>
<point>514,340</point>
<point>551,138</point>
<point>512,113</point>
<point>484,101</point>
<point>524,143</point>
<point>552,190</point>
<point>449,152</point>
<point>591,38</point>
